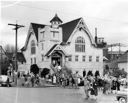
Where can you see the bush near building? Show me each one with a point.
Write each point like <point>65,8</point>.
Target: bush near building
<point>44,72</point>
<point>34,69</point>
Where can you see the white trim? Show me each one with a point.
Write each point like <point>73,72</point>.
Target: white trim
<point>60,48</point>
<point>28,35</point>
<point>85,29</point>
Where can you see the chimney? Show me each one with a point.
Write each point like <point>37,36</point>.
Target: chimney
<point>96,35</point>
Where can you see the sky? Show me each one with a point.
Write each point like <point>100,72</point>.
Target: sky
<point>109,16</point>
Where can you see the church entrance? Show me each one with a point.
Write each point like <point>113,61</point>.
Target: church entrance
<point>56,58</point>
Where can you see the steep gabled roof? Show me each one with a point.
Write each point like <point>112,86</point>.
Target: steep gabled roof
<point>56,18</point>
<point>20,57</point>
<point>68,28</point>
<point>123,58</point>
<point>35,27</point>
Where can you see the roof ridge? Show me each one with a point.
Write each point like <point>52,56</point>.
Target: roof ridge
<point>38,24</point>
<point>72,21</point>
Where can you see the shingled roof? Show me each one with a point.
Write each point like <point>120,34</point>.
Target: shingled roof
<point>68,28</point>
<point>56,18</point>
<point>20,57</point>
<point>35,27</point>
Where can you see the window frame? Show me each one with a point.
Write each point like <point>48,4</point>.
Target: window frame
<point>76,58</point>
<point>90,58</point>
<point>80,44</point>
<point>70,58</point>
<point>42,57</point>
<point>31,61</point>
<point>34,60</point>
<point>97,58</point>
<point>33,47</point>
<point>83,58</point>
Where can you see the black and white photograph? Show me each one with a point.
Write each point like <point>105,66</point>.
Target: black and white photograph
<point>64,51</point>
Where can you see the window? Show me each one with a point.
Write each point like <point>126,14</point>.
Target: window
<point>34,60</point>
<point>31,61</point>
<point>33,47</point>
<point>55,34</point>
<point>42,46</point>
<point>90,58</point>
<point>76,58</point>
<point>42,57</point>
<point>70,58</point>
<point>42,34</point>
<point>97,58</point>
<point>80,44</point>
<point>83,59</point>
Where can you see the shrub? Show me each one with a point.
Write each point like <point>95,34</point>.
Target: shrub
<point>44,72</point>
<point>34,69</point>
<point>89,73</point>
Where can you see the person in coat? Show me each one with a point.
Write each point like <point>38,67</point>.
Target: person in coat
<point>86,87</point>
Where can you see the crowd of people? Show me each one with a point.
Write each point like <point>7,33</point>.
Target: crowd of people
<point>94,84</point>
<point>29,80</point>
<point>63,80</point>
<point>91,83</point>
<point>59,78</point>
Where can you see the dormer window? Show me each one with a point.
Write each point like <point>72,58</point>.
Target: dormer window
<point>55,21</point>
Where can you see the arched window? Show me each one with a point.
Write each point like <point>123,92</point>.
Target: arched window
<point>80,44</point>
<point>33,47</point>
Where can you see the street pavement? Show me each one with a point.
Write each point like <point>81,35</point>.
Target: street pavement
<point>49,95</point>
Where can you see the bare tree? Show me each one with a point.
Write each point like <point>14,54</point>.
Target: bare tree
<point>9,48</point>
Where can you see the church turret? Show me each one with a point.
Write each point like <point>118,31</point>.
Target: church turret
<point>56,21</point>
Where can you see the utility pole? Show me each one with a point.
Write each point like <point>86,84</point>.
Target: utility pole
<point>16,29</point>
<point>0,59</point>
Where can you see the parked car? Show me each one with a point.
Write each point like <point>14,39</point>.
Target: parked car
<point>122,96</point>
<point>5,80</point>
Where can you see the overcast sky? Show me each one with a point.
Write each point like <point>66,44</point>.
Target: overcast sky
<point>109,16</point>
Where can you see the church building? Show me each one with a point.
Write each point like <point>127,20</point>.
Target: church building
<point>69,44</point>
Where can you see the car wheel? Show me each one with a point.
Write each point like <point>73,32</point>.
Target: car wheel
<point>122,100</point>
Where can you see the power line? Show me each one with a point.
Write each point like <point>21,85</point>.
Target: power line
<point>74,13</point>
